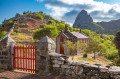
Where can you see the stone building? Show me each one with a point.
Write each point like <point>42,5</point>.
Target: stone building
<point>71,36</point>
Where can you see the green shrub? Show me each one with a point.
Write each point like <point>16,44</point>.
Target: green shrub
<point>0,29</point>
<point>48,30</point>
<point>52,22</point>
<point>9,23</point>
<point>22,36</point>
<point>116,61</point>
<point>111,55</point>
<point>2,34</point>
<point>85,55</point>
<point>16,30</point>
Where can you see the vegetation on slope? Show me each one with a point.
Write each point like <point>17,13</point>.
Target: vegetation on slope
<point>2,34</point>
<point>41,25</point>
<point>25,24</point>
<point>105,43</point>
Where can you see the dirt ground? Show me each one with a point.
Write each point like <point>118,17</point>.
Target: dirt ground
<point>21,75</point>
<point>90,59</point>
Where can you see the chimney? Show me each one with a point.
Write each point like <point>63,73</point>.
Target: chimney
<point>80,31</point>
<point>66,27</point>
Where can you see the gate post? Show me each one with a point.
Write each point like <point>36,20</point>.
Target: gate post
<point>45,46</point>
<point>12,54</point>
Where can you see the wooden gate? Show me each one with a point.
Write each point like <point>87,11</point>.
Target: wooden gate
<point>25,58</point>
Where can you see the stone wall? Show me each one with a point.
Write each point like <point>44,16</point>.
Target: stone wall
<point>7,51</point>
<point>5,56</point>
<point>61,65</point>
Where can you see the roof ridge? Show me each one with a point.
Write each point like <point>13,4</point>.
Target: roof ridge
<point>85,35</point>
<point>77,33</point>
<point>73,34</point>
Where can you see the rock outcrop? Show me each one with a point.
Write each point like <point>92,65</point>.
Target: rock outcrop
<point>83,19</point>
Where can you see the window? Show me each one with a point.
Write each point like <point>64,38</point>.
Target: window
<point>61,39</point>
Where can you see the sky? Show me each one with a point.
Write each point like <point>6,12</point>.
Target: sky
<point>67,10</point>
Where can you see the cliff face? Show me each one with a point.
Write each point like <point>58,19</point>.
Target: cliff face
<point>83,19</point>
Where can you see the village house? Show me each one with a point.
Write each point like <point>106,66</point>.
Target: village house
<point>71,36</point>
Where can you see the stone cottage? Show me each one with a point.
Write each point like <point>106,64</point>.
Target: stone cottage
<point>71,36</point>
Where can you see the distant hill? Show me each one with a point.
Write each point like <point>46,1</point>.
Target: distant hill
<point>25,24</point>
<point>85,21</point>
<point>110,27</point>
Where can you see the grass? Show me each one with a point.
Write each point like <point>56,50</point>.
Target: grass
<point>22,36</point>
<point>91,60</point>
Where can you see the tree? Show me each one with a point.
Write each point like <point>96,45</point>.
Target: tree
<point>47,30</point>
<point>0,29</point>
<point>117,42</point>
<point>39,16</point>
<point>17,14</point>
<point>60,26</point>
<point>72,46</point>
<point>61,21</point>
<point>24,12</point>
<point>52,22</point>
<point>93,47</point>
<point>76,29</point>
<point>9,23</point>
<point>82,47</point>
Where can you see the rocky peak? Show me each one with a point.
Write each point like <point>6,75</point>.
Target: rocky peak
<point>83,19</point>
<point>83,12</point>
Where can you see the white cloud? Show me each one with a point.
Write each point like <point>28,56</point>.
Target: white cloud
<point>98,10</point>
<point>71,2</point>
<point>57,12</point>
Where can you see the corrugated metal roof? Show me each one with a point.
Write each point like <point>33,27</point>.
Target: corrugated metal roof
<point>79,35</point>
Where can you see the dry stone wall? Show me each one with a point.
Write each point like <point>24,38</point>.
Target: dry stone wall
<point>5,56</point>
<point>6,51</point>
<point>61,65</point>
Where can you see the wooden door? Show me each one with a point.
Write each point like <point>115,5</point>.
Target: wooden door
<point>61,49</point>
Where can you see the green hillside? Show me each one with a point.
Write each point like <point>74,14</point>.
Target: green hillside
<point>34,26</point>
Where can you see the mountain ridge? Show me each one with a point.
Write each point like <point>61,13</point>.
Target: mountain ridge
<point>110,27</point>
